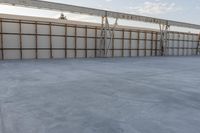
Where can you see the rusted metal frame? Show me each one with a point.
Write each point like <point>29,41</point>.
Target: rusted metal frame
<point>151,43</point>
<point>36,41</point>
<point>113,44</point>
<point>75,42</point>
<point>63,25</point>
<point>68,49</point>
<point>187,46</point>
<point>20,39</point>
<point>183,51</point>
<point>156,44</point>
<point>95,42</point>
<point>72,25</point>
<point>138,43</point>
<point>2,46</point>
<point>54,35</point>
<point>193,45</point>
<point>86,46</point>
<point>50,40</point>
<point>173,49</point>
<point>178,45</point>
<point>193,48</point>
<point>123,43</point>
<point>145,44</point>
<point>198,45</point>
<point>65,40</point>
<point>45,23</point>
<point>130,41</point>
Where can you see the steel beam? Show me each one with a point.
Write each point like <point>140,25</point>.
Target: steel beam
<point>95,12</point>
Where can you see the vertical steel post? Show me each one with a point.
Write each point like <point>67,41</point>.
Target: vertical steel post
<point>75,42</point>
<point>50,40</point>
<point>2,46</point>
<point>198,46</point>
<point>173,39</point>
<point>123,43</point>
<point>183,49</point>
<point>113,45</point>
<point>192,44</point>
<point>138,43</point>
<point>65,40</point>
<point>102,39</point>
<point>36,41</point>
<point>95,52</point>
<point>178,44</point>
<point>86,47</point>
<point>188,46</point>
<point>20,39</point>
<point>156,44</point>
<point>145,44</point>
<point>164,39</point>
<point>130,41</point>
<point>151,43</point>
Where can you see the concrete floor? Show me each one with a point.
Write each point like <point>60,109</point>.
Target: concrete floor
<point>124,95</point>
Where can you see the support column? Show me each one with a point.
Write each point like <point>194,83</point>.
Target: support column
<point>36,41</point>
<point>138,43</point>
<point>123,43</point>
<point>152,43</point>
<point>164,39</point>
<point>95,42</point>
<point>75,42</point>
<point>2,52</point>
<point>65,40</point>
<point>198,46</point>
<point>106,33</point>
<point>103,37</point>
<point>50,40</point>
<point>20,39</point>
<point>156,44</point>
<point>130,40</point>
<point>86,43</point>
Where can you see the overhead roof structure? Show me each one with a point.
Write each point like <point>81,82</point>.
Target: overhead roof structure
<point>95,12</point>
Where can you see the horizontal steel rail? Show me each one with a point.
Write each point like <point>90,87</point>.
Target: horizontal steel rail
<point>95,12</point>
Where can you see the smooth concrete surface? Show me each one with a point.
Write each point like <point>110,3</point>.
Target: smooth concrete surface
<point>121,95</point>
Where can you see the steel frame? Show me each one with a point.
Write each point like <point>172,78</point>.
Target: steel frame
<point>2,47</point>
<point>95,12</point>
<point>106,31</point>
<point>95,38</point>
<point>164,39</point>
<point>198,46</point>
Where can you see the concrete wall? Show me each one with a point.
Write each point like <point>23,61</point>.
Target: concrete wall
<point>30,39</point>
